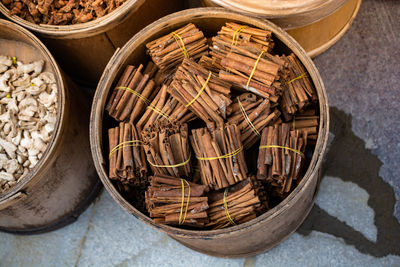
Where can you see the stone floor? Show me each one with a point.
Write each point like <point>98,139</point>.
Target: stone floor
<point>355,221</point>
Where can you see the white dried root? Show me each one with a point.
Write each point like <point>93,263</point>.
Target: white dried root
<point>28,114</point>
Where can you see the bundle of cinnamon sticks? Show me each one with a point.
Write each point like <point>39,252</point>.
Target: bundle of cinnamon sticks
<point>307,121</point>
<point>175,201</point>
<point>298,91</point>
<point>166,145</point>
<point>164,107</point>
<point>237,204</point>
<point>132,93</point>
<point>281,157</point>
<point>201,91</point>
<point>168,51</point>
<point>251,113</point>
<point>220,156</point>
<point>126,155</point>
<point>248,64</point>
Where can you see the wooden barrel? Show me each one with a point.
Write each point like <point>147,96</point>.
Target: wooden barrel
<point>83,50</point>
<point>64,182</point>
<point>315,24</point>
<point>246,239</point>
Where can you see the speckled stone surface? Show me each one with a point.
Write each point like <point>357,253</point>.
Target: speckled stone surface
<point>355,221</point>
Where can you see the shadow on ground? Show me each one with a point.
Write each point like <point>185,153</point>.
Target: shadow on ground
<point>349,160</point>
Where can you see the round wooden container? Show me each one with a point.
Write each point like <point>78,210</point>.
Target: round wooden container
<point>267,230</point>
<point>83,50</point>
<point>315,24</point>
<point>64,182</point>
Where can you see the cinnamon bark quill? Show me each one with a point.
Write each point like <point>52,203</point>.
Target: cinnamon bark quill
<point>281,157</point>
<point>251,113</point>
<point>166,146</point>
<point>236,204</point>
<point>168,51</point>
<point>201,91</point>
<point>220,156</point>
<point>127,162</point>
<point>307,121</point>
<point>170,200</point>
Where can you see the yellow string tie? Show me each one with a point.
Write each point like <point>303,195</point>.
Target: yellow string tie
<point>144,99</point>
<point>171,166</point>
<point>236,34</point>
<point>226,208</point>
<point>284,147</point>
<point>304,75</point>
<point>229,155</point>
<point>201,90</point>
<point>159,111</point>
<point>125,144</point>
<point>247,118</point>
<point>178,39</point>
<point>254,69</point>
<point>183,201</point>
<point>8,96</point>
<point>14,60</point>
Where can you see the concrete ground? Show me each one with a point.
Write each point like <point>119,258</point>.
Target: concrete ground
<point>355,221</point>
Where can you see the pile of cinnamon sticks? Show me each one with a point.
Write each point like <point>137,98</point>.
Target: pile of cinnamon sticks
<point>185,118</point>
<point>281,157</point>
<point>126,155</point>
<point>251,113</point>
<point>220,155</point>
<point>166,146</point>
<point>170,200</point>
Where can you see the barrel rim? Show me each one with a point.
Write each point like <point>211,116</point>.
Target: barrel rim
<point>50,153</point>
<point>276,10</point>
<point>108,78</point>
<point>79,30</point>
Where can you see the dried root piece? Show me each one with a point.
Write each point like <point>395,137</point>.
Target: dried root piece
<point>28,112</point>
<point>236,204</point>
<point>170,200</point>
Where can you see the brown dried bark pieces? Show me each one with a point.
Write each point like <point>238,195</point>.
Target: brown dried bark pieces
<point>59,12</point>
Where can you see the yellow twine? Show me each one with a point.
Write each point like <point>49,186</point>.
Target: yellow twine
<point>33,84</point>
<point>144,99</point>
<point>14,60</point>
<point>182,45</point>
<point>183,201</point>
<point>236,34</point>
<point>171,166</point>
<point>237,151</point>
<point>226,208</point>
<point>299,77</point>
<point>254,69</point>
<point>8,96</point>
<point>247,118</point>
<point>284,147</point>
<point>132,143</point>
<point>159,111</point>
<point>201,90</point>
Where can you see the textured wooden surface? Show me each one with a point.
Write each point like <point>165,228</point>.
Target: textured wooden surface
<point>246,239</point>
